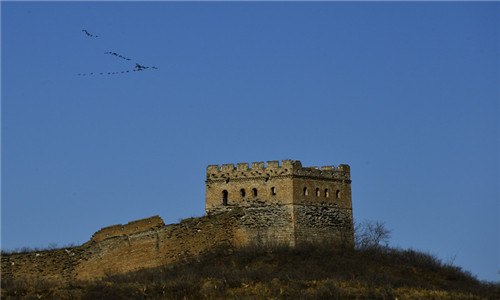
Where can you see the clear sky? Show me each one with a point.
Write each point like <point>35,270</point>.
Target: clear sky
<point>406,93</point>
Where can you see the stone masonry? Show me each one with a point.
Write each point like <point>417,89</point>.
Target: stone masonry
<point>262,204</point>
<point>286,204</point>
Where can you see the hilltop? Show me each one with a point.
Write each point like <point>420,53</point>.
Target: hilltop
<point>307,272</point>
<point>271,231</point>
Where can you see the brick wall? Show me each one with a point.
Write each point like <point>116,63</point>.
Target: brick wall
<point>125,252</point>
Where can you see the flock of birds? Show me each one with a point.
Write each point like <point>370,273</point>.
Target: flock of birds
<point>138,67</point>
<point>117,55</point>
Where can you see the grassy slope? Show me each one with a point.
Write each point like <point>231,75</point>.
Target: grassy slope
<point>281,273</point>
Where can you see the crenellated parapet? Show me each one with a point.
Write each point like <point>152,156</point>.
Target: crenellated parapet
<point>287,168</point>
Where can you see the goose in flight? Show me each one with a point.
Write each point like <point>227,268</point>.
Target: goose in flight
<point>88,33</point>
<point>139,67</point>
<point>117,55</point>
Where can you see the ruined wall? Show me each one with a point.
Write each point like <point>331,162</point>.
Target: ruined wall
<point>129,228</point>
<point>264,225</point>
<point>157,247</point>
<point>292,205</point>
<point>54,265</point>
<point>123,253</point>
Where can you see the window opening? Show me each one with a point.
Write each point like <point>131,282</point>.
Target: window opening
<point>305,192</point>
<point>224,197</point>
<point>273,191</point>
<point>242,192</point>
<point>254,192</point>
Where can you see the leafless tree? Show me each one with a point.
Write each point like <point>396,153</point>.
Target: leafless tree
<point>371,234</point>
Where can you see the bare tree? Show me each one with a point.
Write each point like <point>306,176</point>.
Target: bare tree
<point>371,234</point>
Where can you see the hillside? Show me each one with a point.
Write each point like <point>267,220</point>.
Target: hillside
<point>280,273</point>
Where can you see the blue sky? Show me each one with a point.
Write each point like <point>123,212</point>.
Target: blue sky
<point>406,93</point>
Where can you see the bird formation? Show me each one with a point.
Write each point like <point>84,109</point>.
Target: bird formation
<point>89,34</point>
<point>117,55</point>
<point>138,67</point>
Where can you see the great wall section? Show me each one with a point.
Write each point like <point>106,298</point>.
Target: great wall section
<point>262,204</point>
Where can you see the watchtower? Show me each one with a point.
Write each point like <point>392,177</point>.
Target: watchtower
<point>287,203</point>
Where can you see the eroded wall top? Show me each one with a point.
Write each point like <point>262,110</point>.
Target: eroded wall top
<point>129,228</point>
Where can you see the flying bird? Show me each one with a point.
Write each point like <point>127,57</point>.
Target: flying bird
<point>139,67</point>
<point>88,33</point>
<point>117,55</point>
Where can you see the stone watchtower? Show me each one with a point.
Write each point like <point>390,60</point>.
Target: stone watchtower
<point>285,204</point>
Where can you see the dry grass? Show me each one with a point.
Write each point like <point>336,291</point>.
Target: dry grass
<point>307,272</point>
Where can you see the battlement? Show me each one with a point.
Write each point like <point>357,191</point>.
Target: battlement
<point>129,228</point>
<point>274,169</point>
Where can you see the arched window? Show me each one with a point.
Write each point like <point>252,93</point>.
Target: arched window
<point>254,192</point>
<point>242,192</point>
<point>306,192</point>
<point>273,191</point>
<point>337,194</point>
<point>224,197</point>
<point>326,193</point>
<point>317,192</point>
